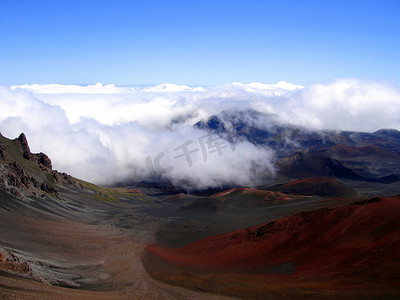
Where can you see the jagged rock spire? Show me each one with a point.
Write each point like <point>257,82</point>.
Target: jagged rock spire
<point>40,158</point>
<point>24,145</point>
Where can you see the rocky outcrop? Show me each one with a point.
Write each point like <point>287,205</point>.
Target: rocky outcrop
<point>43,159</point>
<point>11,263</point>
<point>64,178</point>
<point>14,178</point>
<point>2,151</point>
<point>48,188</point>
<point>24,146</point>
<point>17,182</point>
<point>40,158</point>
<point>20,176</point>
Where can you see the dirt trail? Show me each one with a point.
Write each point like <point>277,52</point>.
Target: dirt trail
<point>104,261</point>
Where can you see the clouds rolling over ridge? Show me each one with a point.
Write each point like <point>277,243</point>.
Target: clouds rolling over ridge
<point>106,133</point>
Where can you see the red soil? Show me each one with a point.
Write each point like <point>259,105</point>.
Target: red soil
<point>262,194</point>
<point>314,180</point>
<point>228,192</point>
<point>178,197</point>
<point>356,246</point>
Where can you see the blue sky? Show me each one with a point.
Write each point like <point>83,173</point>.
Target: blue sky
<point>198,42</point>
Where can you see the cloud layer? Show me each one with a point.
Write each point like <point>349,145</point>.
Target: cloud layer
<point>106,133</point>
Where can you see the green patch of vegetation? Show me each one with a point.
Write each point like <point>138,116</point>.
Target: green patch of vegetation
<point>111,194</point>
<point>50,177</point>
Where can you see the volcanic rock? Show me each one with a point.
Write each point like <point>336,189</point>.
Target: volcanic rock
<point>44,160</point>
<point>24,146</point>
<point>11,262</point>
<point>2,154</point>
<point>20,177</point>
<point>47,188</point>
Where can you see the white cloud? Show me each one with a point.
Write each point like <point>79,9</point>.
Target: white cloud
<point>104,133</point>
<point>275,89</point>
<point>170,87</point>
<point>345,104</point>
<point>280,85</point>
<point>54,88</point>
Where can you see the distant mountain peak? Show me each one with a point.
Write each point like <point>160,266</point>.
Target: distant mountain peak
<point>388,132</point>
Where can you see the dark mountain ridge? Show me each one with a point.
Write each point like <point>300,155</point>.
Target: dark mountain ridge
<point>301,152</point>
<point>266,129</point>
